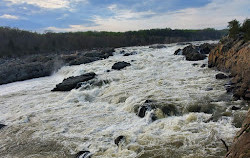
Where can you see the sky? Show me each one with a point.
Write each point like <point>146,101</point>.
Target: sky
<point>120,15</point>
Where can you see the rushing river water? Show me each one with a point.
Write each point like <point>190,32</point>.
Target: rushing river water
<point>41,123</point>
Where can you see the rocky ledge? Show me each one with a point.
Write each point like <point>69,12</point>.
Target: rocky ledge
<point>233,55</point>
<point>195,53</point>
<point>72,82</point>
<point>41,65</point>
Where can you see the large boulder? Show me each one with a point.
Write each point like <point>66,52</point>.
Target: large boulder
<point>220,76</point>
<point>120,65</point>
<point>191,49</point>
<point>191,52</point>
<point>195,56</point>
<point>12,72</point>
<point>72,82</point>
<point>206,48</point>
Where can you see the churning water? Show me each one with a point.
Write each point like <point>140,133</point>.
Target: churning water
<point>41,123</point>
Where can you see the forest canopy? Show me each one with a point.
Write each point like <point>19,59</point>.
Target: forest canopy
<point>236,29</point>
<point>16,42</point>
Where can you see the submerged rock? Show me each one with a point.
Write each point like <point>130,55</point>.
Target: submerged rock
<point>195,64</point>
<point>72,82</point>
<point>221,76</point>
<point>83,154</point>
<point>170,110</point>
<point>235,108</point>
<point>90,83</point>
<point>143,109</point>
<point>2,126</point>
<point>203,65</point>
<point>146,106</point>
<point>209,89</point>
<point>158,46</point>
<point>158,109</point>
<point>178,52</point>
<point>131,53</point>
<point>119,139</point>
<point>120,65</point>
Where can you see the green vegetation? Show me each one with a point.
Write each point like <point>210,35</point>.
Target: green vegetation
<point>236,29</point>
<point>15,42</point>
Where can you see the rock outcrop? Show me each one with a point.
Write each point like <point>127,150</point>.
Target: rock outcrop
<point>234,56</point>
<point>72,82</point>
<point>120,65</point>
<point>41,65</point>
<point>195,53</point>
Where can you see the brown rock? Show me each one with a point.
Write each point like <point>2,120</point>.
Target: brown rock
<point>233,56</point>
<point>241,145</point>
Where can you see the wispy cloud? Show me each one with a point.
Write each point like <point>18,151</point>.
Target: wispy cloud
<point>121,14</point>
<point>48,4</point>
<point>7,16</point>
<point>215,14</point>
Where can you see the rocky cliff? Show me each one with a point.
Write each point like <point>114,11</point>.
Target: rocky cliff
<point>233,55</point>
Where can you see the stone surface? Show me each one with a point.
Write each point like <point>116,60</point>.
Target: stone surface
<point>119,139</point>
<point>233,56</point>
<point>195,53</point>
<point>241,146</point>
<point>72,82</point>
<point>120,65</point>
<point>41,65</point>
<point>83,154</point>
<point>2,126</point>
<point>221,76</point>
<point>130,53</point>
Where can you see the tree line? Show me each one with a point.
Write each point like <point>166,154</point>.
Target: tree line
<point>236,29</point>
<point>15,42</point>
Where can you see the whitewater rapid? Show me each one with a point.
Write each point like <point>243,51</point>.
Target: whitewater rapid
<point>41,123</point>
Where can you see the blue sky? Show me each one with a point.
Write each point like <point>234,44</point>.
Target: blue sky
<point>120,15</point>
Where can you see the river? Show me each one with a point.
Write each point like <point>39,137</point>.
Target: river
<point>41,123</point>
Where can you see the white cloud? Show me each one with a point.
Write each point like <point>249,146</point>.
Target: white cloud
<point>7,16</point>
<point>127,14</point>
<point>216,14</point>
<point>48,4</point>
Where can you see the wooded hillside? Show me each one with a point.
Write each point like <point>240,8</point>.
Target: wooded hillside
<point>15,42</point>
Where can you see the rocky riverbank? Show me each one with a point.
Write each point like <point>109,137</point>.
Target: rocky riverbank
<point>233,55</point>
<point>41,65</point>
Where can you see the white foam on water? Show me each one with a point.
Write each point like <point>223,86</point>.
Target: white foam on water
<point>63,123</point>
